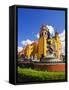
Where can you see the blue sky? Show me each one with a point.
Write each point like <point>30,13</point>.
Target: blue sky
<point>30,20</point>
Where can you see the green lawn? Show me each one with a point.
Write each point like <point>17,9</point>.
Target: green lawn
<point>30,74</point>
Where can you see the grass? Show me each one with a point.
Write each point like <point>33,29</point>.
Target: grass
<point>34,75</point>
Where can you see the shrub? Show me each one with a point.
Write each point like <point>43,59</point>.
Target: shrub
<point>34,75</point>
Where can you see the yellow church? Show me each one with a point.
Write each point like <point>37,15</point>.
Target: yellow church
<point>44,46</point>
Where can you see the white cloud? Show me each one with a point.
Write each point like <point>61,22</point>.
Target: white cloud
<point>26,42</point>
<point>63,47</point>
<point>51,30</point>
<point>19,49</point>
<point>37,35</point>
<point>62,38</point>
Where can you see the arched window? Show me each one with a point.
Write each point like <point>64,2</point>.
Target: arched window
<point>42,33</point>
<point>45,33</point>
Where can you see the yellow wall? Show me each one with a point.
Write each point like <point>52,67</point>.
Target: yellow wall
<point>57,43</point>
<point>58,47</point>
<point>42,46</point>
<point>31,50</point>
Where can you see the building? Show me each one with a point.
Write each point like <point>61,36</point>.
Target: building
<point>44,45</point>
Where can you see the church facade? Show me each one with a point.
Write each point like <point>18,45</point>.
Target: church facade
<point>44,46</point>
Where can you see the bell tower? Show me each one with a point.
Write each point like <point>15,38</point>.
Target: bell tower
<point>42,42</point>
<point>44,31</point>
